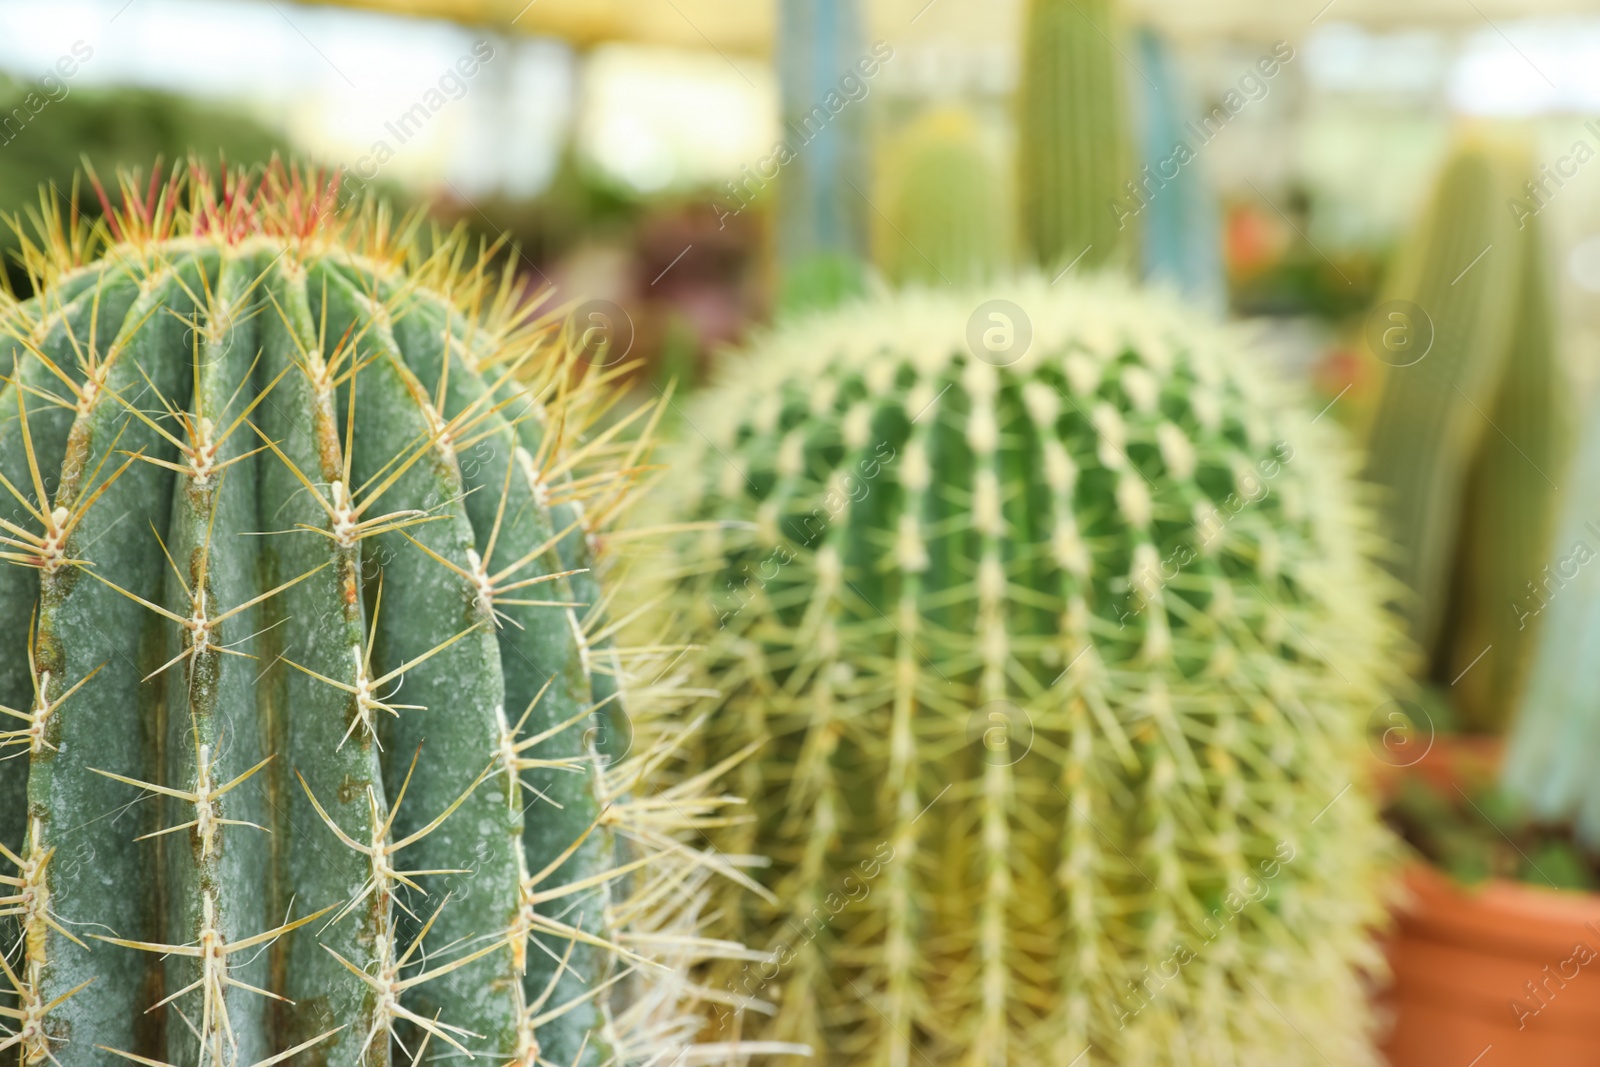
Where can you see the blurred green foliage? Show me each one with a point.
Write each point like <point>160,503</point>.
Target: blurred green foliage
<point>580,203</point>
<point>112,128</point>
<point>819,282</point>
<point>1475,831</point>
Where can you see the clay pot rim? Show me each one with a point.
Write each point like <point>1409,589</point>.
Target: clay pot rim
<point>1500,915</point>
<point>1504,894</point>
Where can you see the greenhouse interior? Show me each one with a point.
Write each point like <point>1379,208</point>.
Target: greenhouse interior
<point>915,533</point>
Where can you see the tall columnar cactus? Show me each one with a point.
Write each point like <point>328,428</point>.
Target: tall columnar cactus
<point>822,209</point>
<point>1057,626</point>
<point>946,216</point>
<point>301,648</point>
<point>1549,753</point>
<point>1181,227</point>
<point>1074,156</point>
<point>1472,431</point>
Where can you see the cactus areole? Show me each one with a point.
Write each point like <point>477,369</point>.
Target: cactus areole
<point>1058,645</point>
<point>300,656</point>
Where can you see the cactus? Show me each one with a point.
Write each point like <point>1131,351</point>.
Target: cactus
<point>1057,645</point>
<point>822,208</point>
<point>1181,227</point>
<point>1074,157</point>
<point>112,126</point>
<point>1548,766</point>
<point>946,220</point>
<point>1471,434</point>
<point>311,700</point>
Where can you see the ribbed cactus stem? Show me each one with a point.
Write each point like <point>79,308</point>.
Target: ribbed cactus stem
<point>903,957</point>
<point>283,563</point>
<point>1053,649</point>
<point>85,623</point>
<point>1074,157</point>
<point>1470,438</point>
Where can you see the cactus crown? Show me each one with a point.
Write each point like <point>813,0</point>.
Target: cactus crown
<point>318,745</point>
<point>1058,648</point>
<point>946,223</point>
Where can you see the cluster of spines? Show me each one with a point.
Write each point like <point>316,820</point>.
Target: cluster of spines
<point>227,277</point>
<point>1005,554</point>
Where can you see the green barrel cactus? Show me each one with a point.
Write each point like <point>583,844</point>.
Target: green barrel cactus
<point>1473,428</point>
<point>1054,624</point>
<point>946,217</point>
<point>316,748</point>
<point>1075,156</point>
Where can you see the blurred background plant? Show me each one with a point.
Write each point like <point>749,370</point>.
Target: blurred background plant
<point>110,128</point>
<point>700,169</point>
<point>605,139</point>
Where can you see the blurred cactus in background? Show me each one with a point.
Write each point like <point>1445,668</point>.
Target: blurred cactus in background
<point>299,526</point>
<point>948,215</point>
<point>1053,627</point>
<point>1182,226</point>
<point>821,197</point>
<point>1073,146</point>
<point>1549,760</point>
<point>1472,432</point>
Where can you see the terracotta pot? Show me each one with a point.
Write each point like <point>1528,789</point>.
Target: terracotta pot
<point>1441,761</point>
<point>1502,975</point>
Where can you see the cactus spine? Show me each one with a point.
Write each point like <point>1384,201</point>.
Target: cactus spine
<point>1470,439</point>
<point>947,222</point>
<point>291,555</point>
<point>1058,661</point>
<point>1074,158</point>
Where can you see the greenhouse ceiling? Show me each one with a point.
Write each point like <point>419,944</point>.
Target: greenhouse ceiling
<point>747,25</point>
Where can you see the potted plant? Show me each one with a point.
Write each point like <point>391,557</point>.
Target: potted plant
<point>1501,923</point>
